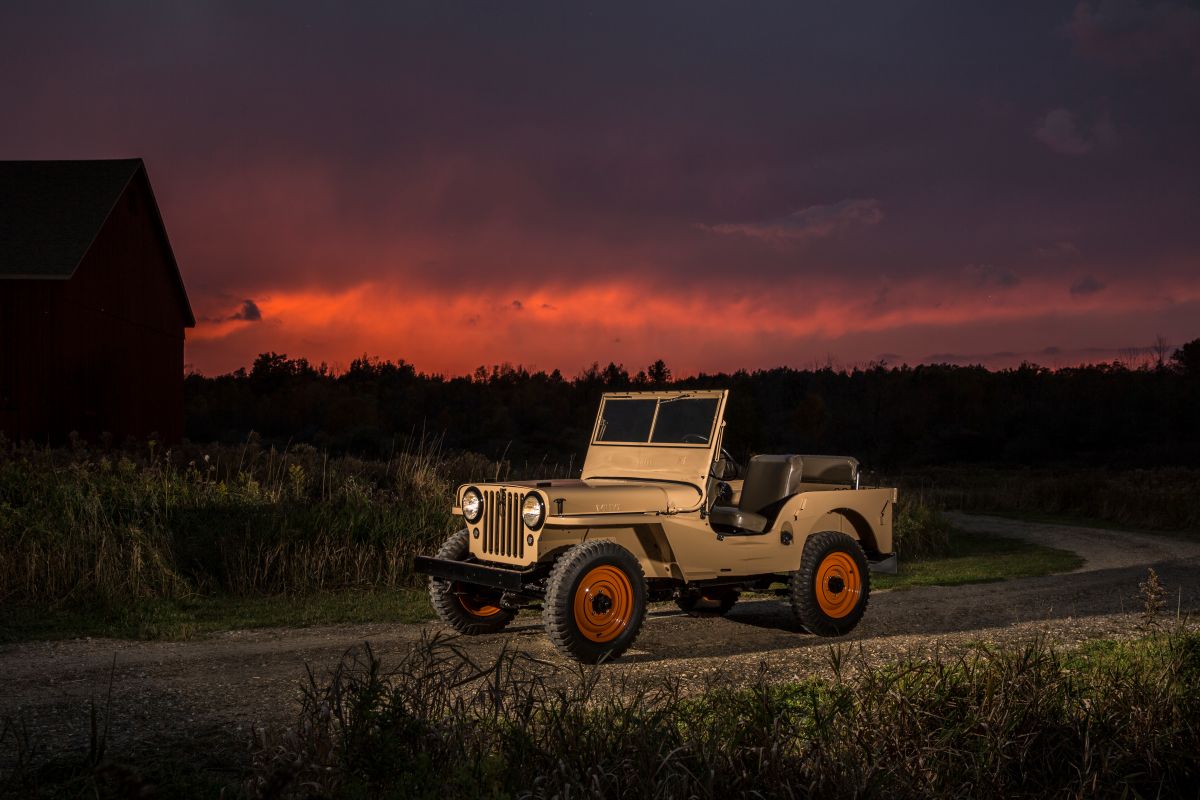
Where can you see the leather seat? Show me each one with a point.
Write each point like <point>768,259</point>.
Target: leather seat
<point>769,481</point>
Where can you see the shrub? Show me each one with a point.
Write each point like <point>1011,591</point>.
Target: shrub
<point>920,529</point>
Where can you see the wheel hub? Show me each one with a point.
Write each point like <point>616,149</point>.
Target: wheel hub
<point>838,584</point>
<point>602,603</point>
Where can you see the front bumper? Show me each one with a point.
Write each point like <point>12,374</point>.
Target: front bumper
<point>510,580</point>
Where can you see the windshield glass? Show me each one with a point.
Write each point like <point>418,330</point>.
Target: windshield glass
<point>671,420</point>
<point>626,420</point>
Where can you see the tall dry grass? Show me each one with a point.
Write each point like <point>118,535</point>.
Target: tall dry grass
<point>919,528</point>
<point>79,526</point>
<point>1024,722</point>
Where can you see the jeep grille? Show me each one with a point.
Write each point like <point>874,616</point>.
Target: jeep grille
<point>503,530</point>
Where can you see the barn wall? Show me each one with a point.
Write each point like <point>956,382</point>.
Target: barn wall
<point>102,351</point>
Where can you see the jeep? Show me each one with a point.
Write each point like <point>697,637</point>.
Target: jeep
<point>660,512</point>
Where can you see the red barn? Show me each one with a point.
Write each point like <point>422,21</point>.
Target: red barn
<point>92,305</point>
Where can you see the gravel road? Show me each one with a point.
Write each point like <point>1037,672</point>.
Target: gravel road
<point>202,696</point>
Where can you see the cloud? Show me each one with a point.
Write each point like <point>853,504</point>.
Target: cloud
<point>1085,286</point>
<point>1059,131</point>
<point>813,222</point>
<point>1056,250</point>
<point>759,327</point>
<point>985,275</point>
<point>249,312</point>
<point>1126,33</point>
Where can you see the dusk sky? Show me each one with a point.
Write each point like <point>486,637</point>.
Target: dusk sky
<point>721,185</point>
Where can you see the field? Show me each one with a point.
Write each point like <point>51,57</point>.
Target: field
<point>981,654</point>
<point>152,544</point>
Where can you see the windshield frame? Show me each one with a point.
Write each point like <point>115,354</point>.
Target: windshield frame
<point>659,399</point>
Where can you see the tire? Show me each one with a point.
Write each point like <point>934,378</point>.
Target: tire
<point>715,602</point>
<point>830,591</point>
<point>456,605</point>
<point>595,601</point>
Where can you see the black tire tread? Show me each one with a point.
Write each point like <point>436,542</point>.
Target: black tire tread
<point>800,582</point>
<point>446,604</point>
<point>558,612</point>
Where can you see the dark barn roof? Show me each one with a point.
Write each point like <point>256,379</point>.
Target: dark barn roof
<point>52,211</point>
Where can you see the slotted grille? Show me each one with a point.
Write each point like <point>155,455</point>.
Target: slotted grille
<point>503,531</point>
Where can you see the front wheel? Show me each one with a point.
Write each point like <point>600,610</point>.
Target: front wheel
<point>468,609</point>
<point>595,601</point>
<point>829,592</point>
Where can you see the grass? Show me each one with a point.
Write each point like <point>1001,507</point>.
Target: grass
<point>81,528</point>
<point>177,619</point>
<point>977,558</point>
<point>1029,721</point>
<point>1113,719</point>
<point>1161,499</point>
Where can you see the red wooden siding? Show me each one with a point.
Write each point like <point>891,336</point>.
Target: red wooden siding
<point>103,350</point>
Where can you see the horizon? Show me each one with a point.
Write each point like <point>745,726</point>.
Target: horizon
<point>1155,356</point>
<point>719,187</point>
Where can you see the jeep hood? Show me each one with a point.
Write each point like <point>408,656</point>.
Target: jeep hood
<point>613,496</point>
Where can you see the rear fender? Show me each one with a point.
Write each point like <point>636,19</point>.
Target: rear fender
<point>863,514</point>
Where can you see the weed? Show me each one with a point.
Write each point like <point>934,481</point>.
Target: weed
<point>1154,599</point>
<point>919,527</point>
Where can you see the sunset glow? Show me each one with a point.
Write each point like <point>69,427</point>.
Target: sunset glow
<point>721,188</point>
<point>562,328</point>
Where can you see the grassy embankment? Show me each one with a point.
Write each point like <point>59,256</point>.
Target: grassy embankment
<point>1160,500</point>
<point>174,545</point>
<point>933,553</point>
<point>167,545</point>
<point>1113,719</point>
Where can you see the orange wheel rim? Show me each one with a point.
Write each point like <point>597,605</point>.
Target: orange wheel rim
<point>603,603</point>
<point>839,585</point>
<point>473,605</point>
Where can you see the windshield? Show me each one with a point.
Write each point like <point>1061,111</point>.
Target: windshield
<point>672,420</point>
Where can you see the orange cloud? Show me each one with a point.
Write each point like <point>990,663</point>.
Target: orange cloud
<point>567,327</point>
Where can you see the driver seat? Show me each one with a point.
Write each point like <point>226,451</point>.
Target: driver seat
<point>769,480</point>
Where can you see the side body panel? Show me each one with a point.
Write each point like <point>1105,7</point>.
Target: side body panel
<point>864,514</point>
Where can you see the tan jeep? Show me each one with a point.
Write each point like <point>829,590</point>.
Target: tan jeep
<point>661,511</point>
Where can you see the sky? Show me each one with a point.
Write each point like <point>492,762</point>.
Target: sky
<point>721,185</point>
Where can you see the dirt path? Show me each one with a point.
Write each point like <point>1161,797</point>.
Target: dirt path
<point>197,695</point>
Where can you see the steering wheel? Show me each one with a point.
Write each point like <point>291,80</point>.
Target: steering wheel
<point>699,438</point>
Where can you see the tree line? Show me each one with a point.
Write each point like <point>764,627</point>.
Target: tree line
<point>889,417</point>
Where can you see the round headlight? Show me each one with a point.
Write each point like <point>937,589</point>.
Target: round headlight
<point>533,511</point>
<point>472,504</point>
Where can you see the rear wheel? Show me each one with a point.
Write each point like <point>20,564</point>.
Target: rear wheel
<point>830,591</point>
<point>595,601</point>
<point>712,602</point>
<point>466,608</point>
